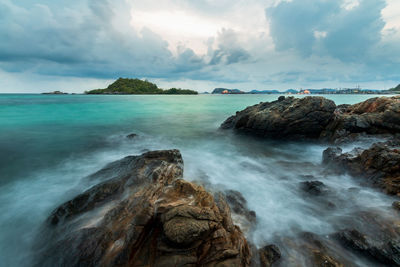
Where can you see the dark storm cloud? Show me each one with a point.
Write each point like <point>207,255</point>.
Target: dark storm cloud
<point>81,40</point>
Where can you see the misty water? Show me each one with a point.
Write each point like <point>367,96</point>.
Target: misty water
<point>49,143</point>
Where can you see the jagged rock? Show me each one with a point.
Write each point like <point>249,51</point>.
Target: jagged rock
<point>268,255</point>
<point>287,117</point>
<point>379,115</point>
<point>318,118</point>
<point>379,164</point>
<point>147,216</point>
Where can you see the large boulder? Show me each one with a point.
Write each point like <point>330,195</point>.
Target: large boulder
<point>318,118</point>
<point>378,165</point>
<point>287,117</point>
<point>379,115</point>
<point>146,215</point>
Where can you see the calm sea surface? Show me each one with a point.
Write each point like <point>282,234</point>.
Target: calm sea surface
<point>49,143</point>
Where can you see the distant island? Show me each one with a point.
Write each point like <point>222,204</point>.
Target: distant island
<point>55,93</point>
<point>324,91</point>
<point>395,90</point>
<point>125,86</point>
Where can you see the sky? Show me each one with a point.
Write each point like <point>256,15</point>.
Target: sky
<point>75,46</point>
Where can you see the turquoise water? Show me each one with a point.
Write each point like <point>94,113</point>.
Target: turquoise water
<point>49,143</point>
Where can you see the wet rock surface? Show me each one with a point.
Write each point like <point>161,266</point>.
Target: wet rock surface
<point>286,117</point>
<point>379,115</point>
<point>269,255</point>
<point>378,165</point>
<point>373,236</point>
<point>241,213</point>
<point>147,216</point>
<point>372,240</point>
<point>318,118</point>
<point>314,188</point>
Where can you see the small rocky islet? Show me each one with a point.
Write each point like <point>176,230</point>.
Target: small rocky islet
<point>143,213</point>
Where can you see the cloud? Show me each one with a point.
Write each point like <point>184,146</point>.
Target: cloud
<point>229,50</point>
<point>95,39</point>
<point>84,41</point>
<point>349,31</point>
<point>345,30</point>
<point>258,43</point>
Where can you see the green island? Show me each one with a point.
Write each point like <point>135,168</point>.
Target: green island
<point>125,86</point>
<point>396,89</point>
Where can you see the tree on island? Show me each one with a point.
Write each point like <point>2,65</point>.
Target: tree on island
<point>396,89</point>
<point>139,87</point>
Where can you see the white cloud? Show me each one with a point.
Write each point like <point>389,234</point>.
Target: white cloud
<point>350,4</point>
<point>183,24</point>
<point>320,34</point>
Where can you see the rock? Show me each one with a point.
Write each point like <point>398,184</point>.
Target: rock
<point>331,154</point>
<point>323,260</point>
<point>268,255</point>
<point>318,118</point>
<point>122,167</point>
<point>379,165</point>
<point>310,249</point>
<point>379,115</point>
<point>287,117</point>
<point>388,253</point>
<point>372,234</point>
<point>245,217</point>
<point>131,136</point>
<point>146,215</point>
<point>396,205</point>
<point>315,188</point>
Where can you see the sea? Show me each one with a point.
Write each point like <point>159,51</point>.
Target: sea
<point>50,143</point>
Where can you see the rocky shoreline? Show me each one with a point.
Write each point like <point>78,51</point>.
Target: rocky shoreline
<point>318,118</point>
<point>144,213</point>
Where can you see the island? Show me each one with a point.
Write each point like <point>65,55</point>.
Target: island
<point>395,90</point>
<point>126,86</point>
<point>55,93</point>
<point>323,91</point>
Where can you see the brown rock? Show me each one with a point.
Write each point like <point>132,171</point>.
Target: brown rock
<point>318,118</point>
<point>379,164</point>
<point>146,217</point>
<point>323,260</point>
<point>268,255</point>
<point>379,115</point>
